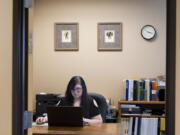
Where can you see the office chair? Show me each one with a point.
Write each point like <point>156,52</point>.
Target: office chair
<point>102,104</point>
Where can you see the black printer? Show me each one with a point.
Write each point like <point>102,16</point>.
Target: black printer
<point>43,100</point>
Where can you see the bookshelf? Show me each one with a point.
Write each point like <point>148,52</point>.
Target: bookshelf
<point>141,115</point>
<point>149,104</point>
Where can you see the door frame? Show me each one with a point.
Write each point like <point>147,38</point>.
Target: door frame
<point>170,66</point>
<point>20,66</point>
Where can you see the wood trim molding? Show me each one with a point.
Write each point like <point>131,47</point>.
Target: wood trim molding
<point>170,67</point>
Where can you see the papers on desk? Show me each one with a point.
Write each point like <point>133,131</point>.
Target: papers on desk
<point>35,124</point>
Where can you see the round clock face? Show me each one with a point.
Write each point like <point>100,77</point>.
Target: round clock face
<point>148,32</point>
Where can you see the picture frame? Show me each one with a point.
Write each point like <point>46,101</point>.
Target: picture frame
<point>109,36</point>
<point>66,37</point>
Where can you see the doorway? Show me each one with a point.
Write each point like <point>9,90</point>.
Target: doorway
<point>20,66</point>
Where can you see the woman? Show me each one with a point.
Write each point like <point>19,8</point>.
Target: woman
<point>76,95</point>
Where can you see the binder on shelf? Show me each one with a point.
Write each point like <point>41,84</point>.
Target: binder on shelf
<point>162,125</point>
<point>143,126</point>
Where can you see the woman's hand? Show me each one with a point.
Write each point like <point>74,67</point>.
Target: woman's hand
<point>95,120</point>
<point>41,120</point>
<point>85,120</point>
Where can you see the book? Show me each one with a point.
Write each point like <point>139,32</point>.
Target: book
<point>139,125</point>
<point>154,124</point>
<point>127,90</point>
<point>131,83</point>
<point>133,126</point>
<point>162,126</point>
<point>141,90</point>
<point>136,126</point>
<point>135,96</point>
<point>130,126</point>
<point>148,90</point>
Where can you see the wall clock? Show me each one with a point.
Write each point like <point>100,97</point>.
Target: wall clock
<point>148,32</point>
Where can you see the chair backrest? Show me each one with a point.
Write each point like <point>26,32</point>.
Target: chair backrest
<point>102,104</point>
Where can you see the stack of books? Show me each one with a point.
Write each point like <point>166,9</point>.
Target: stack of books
<point>138,90</point>
<point>130,109</point>
<point>144,126</point>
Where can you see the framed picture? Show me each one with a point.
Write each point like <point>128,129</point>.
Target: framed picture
<point>66,37</point>
<point>109,36</point>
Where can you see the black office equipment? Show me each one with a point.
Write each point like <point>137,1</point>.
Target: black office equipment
<point>64,116</point>
<point>161,95</point>
<point>44,100</point>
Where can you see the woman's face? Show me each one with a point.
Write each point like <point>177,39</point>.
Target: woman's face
<point>77,91</point>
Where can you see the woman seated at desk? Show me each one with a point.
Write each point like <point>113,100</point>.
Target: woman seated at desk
<point>76,95</point>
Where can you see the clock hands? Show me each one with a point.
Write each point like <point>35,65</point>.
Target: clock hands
<point>148,32</point>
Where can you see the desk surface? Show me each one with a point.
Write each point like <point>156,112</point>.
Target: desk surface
<point>95,129</point>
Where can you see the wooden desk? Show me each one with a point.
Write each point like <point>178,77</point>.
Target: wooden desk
<point>95,129</point>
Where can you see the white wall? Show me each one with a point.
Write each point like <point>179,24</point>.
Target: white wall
<point>6,67</point>
<point>102,71</point>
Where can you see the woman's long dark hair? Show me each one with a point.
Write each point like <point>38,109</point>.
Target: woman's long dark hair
<point>72,83</point>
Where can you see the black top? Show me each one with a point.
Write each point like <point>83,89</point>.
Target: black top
<point>89,111</point>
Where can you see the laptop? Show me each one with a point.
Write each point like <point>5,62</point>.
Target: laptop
<point>64,116</point>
